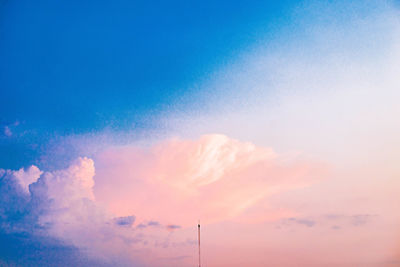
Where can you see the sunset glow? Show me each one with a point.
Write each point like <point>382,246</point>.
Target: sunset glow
<point>275,123</point>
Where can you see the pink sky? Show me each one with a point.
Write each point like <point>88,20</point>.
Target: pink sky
<point>214,178</point>
<point>302,170</point>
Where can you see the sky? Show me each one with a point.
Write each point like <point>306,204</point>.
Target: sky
<point>274,123</point>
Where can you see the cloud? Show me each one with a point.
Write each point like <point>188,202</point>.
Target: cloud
<point>327,95</point>
<point>25,178</point>
<point>167,187</point>
<point>60,205</point>
<point>306,222</point>
<point>7,128</point>
<point>172,227</point>
<point>7,131</point>
<point>13,200</point>
<point>179,181</point>
<point>153,223</point>
<point>294,221</point>
<point>125,221</point>
<point>361,219</point>
<point>351,220</point>
<point>331,221</point>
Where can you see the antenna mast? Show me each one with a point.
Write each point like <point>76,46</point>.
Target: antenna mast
<point>198,234</point>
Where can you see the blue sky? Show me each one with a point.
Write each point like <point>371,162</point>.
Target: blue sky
<point>88,62</point>
<point>281,112</point>
<point>77,66</point>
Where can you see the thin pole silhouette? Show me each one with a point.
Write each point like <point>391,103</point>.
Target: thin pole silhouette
<point>198,234</point>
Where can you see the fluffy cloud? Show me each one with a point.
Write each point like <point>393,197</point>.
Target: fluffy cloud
<point>60,205</point>
<point>213,178</point>
<point>165,188</point>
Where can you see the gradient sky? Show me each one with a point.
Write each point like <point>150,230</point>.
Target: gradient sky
<point>276,123</point>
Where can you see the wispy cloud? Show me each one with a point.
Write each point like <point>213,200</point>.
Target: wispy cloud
<point>214,178</point>
<point>332,221</point>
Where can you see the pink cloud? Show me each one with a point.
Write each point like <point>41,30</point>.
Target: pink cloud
<point>135,204</point>
<point>7,131</point>
<point>214,178</point>
<point>25,177</point>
